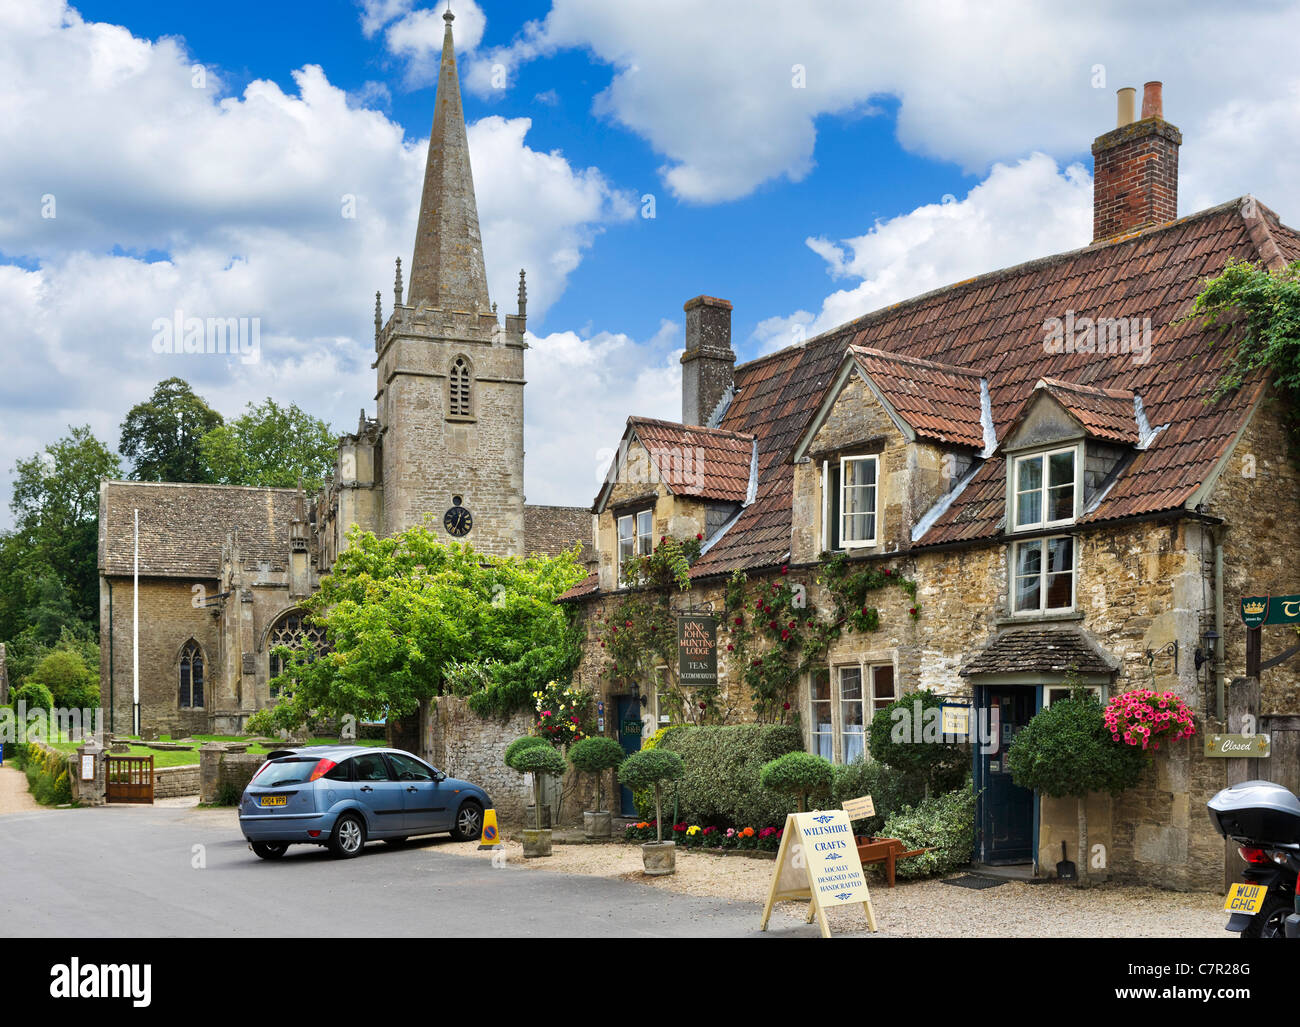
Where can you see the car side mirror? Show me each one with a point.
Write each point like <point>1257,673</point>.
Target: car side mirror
<point>439,776</point>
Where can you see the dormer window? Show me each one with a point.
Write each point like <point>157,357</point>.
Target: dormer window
<point>851,517</point>
<point>1044,488</point>
<point>635,537</point>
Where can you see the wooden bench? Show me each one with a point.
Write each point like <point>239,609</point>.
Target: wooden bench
<point>884,850</point>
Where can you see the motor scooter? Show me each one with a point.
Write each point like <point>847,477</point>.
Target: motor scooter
<point>1264,819</point>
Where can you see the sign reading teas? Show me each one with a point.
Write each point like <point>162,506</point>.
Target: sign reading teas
<point>697,650</point>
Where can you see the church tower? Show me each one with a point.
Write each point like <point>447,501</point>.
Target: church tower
<point>450,376</point>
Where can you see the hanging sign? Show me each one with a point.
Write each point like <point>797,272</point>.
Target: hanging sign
<point>956,719</point>
<point>818,861</point>
<point>1257,611</point>
<point>697,650</point>
<point>1238,746</point>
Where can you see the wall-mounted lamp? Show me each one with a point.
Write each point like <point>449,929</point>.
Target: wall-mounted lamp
<point>1205,653</point>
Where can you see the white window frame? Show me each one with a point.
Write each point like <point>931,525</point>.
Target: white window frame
<point>826,533</point>
<point>1042,608</point>
<point>1044,459</point>
<point>642,542</point>
<point>865,667</point>
<point>1097,690</point>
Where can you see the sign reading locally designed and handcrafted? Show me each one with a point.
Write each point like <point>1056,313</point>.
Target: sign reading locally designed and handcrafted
<point>1257,611</point>
<point>1238,746</point>
<point>860,808</point>
<point>697,650</point>
<point>818,861</point>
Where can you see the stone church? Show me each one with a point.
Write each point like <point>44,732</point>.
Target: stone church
<point>223,569</point>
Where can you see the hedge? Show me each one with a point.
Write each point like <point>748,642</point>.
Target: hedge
<point>720,785</point>
<point>943,823</point>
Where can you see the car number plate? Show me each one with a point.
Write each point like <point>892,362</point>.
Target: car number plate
<point>1245,898</point>
<point>274,800</point>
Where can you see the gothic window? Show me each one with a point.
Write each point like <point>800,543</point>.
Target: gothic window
<point>460,394</point>
<point>191,676</point>
<point>297,632</point>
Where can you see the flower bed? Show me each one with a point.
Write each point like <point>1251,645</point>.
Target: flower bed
<point>710,839</point>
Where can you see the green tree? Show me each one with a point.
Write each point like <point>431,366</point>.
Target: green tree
<point>400,612</point>
<point>909,743</point>
<point>650,768</point>
<point>270,445</point>
<point>72,684</point>
<point>161,436</point>
<point>1066,750</point>
<point>594,756</point>
<point>800,774</point>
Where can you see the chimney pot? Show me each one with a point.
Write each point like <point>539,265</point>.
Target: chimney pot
<point>1124,114</point>
<point>1135,169</point>
<point>1152,101</point>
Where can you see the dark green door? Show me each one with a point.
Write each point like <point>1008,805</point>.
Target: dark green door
<point>629,737</point>
<point>1005,811</point>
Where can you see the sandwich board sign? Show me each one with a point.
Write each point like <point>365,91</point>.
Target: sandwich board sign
<point>818,861</point>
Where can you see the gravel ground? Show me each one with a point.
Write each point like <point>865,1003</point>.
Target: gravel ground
<point>14,796</point>
<point>913,909</point>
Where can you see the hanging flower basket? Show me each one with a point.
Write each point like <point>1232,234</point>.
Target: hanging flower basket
<point>1144,718</point>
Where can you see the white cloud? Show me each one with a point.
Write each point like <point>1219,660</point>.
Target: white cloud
<point>581,391</point>
<point>414,35</point>
<point>172,197</point>
<point>1020,212</point>
<point>710,86</point>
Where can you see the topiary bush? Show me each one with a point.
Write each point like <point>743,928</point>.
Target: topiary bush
<point>519,745</point>
<point>896,740</point>
<point>944,823</point>
<point>800,774</point>
<point>720,784</point>
<point>890,790</point>
<point>594,756</point>
<point>537,760</point>
<point>650,768</point>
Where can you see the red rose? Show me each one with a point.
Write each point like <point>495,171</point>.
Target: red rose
<point>699,536</point>
<point>784,635</point>
<point>886,572</point>
<point>628,624</point>
<point>730,648</point>
<point>785,706</point>
<point>702,706</point>
<point>784,569</point>
<point>740,620</point>
<point>912,611</point>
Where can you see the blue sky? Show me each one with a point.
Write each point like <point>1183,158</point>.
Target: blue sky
<point>924,144</point>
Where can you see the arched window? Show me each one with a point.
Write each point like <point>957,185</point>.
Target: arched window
<point>191,676</point>
<point>297,632</point>
<point>460,394</point>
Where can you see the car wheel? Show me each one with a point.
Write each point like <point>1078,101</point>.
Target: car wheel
<point>270,850</point>
<point>348,837</point>
<point>469,822</point>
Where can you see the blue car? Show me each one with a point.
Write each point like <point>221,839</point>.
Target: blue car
<point>342,796</point>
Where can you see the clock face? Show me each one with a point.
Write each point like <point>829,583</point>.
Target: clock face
<point>458,521</point>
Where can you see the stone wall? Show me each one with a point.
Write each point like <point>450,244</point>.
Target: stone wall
<point>218,769</point>
<point>172,782</point>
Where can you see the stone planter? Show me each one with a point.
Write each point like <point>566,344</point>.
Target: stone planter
<point>537,843</point>
<point>659,858</point>
<point>530,816</point>
<point>597,824</point>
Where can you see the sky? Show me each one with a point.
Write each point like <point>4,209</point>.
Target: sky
<point>809,162</point>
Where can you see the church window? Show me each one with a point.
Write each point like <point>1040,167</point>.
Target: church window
<point>460,398</point>
<point>191,677</point>
<point>297,632</point>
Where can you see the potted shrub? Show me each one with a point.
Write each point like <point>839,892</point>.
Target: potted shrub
<point>800,774</point>
<point>512,753</point>
<point>538,760</point>
<point>595,756</point>
<point>650,768</point>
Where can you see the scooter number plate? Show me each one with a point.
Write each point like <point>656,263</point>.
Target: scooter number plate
<point>1245,898</point>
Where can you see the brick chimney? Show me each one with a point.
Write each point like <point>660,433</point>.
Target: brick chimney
<point>1135,169</point>
<point>709,363</point>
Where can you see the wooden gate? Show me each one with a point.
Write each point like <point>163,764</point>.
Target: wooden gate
<point>130,779</point>
<point>1283,765</point>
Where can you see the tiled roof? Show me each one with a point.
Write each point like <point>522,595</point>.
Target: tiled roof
<point>1041,650</point>
<point>183,527</point>
<point>707,463</point>
<point>1109,414</point>
<point>939,401</point>
<point>996,323</point>
<point>550,530</point>
<point>587,586</point>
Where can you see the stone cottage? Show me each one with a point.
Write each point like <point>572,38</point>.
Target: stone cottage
<point>1037,449</point>
<point>223,570</point>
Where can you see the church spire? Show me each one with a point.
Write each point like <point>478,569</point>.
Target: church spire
<point>447,268</point>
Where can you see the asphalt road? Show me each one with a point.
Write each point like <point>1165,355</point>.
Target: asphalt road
<point>124,871</point>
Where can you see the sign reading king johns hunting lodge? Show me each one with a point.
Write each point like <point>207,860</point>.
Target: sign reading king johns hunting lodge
<point>697,650</point>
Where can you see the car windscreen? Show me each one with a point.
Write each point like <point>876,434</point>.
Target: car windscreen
<point>293,770</point>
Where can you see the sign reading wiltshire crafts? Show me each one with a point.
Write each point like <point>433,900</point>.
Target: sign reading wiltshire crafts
<point>818,861</point>
<point>1257,611</point>
<point>697,650</point>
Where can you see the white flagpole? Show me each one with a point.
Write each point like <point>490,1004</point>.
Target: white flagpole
<point>135,634</point>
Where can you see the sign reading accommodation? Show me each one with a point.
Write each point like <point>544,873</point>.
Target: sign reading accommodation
<point>1238,746</point>
<point>818,861</point>
<point>1257,611</point>
<point>697,650</point>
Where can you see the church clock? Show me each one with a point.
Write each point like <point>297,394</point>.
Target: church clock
<point>458,520</point>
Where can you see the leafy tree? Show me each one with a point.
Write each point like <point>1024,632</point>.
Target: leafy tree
<point>650,768</point>
<point>399,612</point>
<point>1067,750</point>
<point>899,741</point>
<point>800,774</point>
<point>538,760</point>
<point>594,756</point>
<point>270,445</point>
<point>518,746</point>
<point>161,436</point>
<point>72,684</point>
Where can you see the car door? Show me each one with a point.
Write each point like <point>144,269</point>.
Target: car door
<point>425,801</point>
<point>379,792</point>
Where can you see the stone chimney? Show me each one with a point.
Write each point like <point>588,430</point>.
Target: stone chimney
<point>709,363</point>
<point>1135,169</point>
